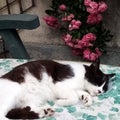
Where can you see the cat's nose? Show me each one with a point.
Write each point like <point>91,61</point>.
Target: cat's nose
<point>99,92</point>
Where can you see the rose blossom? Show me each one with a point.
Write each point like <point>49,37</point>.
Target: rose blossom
<point>102,6</point>
<point>89,55</point>
<point>93,56</point>
<point>99,53</point>
<point>83,43</point>
<point>99,18</point>
<point>86,54</point>
<point>89,37</point>
<point>64,19</point>
<point>92,8</point>
<point>87,2</point>
<point>94,18</point>
<point>91,19</point>
<point>67,38</point>
<point>68,18</point>
<point>62,7</point>
<point>51,21</point>
<point>78,46</point>
<point>75,24</point>
<point>70,44</point>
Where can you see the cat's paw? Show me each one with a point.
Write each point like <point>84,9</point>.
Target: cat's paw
<point>46,113</point>
<point>86,99</point>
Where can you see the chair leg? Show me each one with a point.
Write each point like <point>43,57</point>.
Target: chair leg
<point>14,44</point>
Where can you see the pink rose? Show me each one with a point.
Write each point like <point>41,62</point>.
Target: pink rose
<point>86,54</point>
<point>87,2</point>
<point>93,56</point>
<point>99,18</point>
<point>70,17</point>
<point>62,7</point>
<point>83,43</point>
<point>102,6</point>
<point>94,18</point>
<point>64,19</point>
<point>91,19</point>
<point>99,53</point>
<point>70,44</point>
<point>67,38</point>
<point>89,37</point>
<point>92,8</point>
<point>89,55</point>
<point>78,46</point>
<point>75,24</point>
<point>51,21</point>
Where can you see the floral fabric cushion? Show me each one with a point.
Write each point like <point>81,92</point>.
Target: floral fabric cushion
<point>105,106</point>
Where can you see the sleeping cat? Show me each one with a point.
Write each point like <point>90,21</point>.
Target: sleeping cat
<point>28,86</point>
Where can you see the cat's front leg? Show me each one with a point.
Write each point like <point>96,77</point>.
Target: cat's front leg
<point>67,98</point>
<point>85,97</point>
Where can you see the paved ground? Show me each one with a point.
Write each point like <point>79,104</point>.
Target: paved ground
<point>62,52</point>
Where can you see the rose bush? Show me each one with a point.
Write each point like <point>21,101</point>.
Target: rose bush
<point>81,23</point>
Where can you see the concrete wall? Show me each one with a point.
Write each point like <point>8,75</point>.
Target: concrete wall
<point>43,34</point>
<point>112,20</point>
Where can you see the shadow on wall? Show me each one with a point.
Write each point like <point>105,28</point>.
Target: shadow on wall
<point>112,21</point>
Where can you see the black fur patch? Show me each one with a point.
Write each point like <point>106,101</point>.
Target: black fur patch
<point>95,76</point>
<point>22,113</point>
<point>56,70</point>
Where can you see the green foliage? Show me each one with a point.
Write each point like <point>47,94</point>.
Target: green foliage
<point>81,13</point>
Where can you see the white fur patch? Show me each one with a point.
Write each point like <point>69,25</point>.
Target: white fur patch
<point>92,89</point>
<point>8,93</point>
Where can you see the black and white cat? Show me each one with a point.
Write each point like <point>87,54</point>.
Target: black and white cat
<point>27,87</point>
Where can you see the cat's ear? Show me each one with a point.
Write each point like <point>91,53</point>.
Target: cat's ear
<point>95,65</point>
<point>110,75</point>
<point>86,67</point>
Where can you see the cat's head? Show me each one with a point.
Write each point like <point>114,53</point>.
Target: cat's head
<point>96,82</point>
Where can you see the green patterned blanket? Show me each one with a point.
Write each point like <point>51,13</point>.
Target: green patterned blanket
<point>105,106</point>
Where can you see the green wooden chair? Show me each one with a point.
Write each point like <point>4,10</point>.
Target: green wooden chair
<point>8,26</point>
